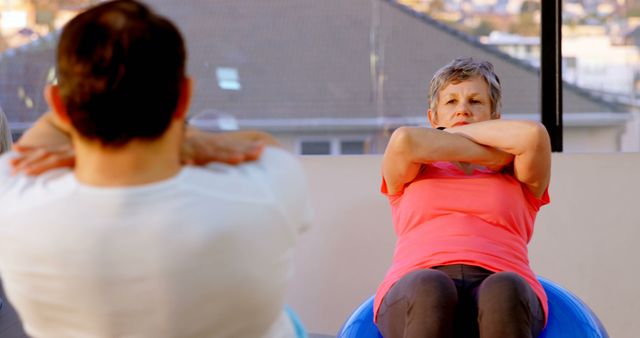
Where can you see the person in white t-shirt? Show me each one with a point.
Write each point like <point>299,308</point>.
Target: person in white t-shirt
<point>123,239</point>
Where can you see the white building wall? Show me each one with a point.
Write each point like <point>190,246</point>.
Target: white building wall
<point>630,139</point>
<point>601,66</point>
<point>592,139</point>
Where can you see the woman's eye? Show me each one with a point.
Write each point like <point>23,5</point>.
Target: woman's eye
<point>474,101</point>
<point>451,101</point>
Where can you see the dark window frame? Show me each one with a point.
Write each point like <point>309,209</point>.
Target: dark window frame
<point>551,70</point>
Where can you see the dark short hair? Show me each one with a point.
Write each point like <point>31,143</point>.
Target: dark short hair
<point>120,70</point>
<point>462,69</point>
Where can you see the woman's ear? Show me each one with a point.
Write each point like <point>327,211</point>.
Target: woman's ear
<point>52,96</point>
<point>433,118</point>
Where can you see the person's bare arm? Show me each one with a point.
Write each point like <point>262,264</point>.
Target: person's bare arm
<point>411,147</point>
<point>528,141</point>
<point>200,147</point>
<point>46,131</point>
<point>46,145</point>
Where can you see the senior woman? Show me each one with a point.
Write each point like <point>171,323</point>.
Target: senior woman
<point>464,196</point>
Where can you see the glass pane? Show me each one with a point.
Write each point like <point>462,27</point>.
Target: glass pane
<point>352,147</point>
<point>15,135</point>
<point>601,63</point>
<point>315,148</point>
<point>334,69</point>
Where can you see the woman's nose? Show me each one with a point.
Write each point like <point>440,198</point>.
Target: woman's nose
<point>463,109</point>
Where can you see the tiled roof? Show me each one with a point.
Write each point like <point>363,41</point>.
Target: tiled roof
<point>23,75</point>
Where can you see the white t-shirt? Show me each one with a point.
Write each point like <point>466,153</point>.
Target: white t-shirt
<point>207,253</point>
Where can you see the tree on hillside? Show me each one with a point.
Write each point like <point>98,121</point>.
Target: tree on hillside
<point>484,28</point>
<point>527,25</point>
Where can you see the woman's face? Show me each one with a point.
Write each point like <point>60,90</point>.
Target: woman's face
<point>462,103</point>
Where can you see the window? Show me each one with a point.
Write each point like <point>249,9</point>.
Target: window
<point>353,147</point>
<point>15,135</point>
<point>601,58</point>
<point>333,146</point>
<point>228,78</point>
<point>315,148</point>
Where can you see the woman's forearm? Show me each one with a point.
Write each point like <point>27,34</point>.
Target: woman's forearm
<point>411,147</point>
<point>527,141</point>
<point>512,136</point>
<point>426,145</point>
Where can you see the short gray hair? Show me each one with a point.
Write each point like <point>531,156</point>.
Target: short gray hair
<point>462,69</point>
<point>5,133</point>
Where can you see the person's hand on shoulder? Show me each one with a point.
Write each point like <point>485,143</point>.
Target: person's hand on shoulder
<point>35,160</point>
<point>200,147</point>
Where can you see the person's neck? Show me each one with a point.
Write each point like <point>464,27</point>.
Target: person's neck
<point>136,163</point>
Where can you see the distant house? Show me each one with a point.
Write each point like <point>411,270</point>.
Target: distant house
<point>326,76</point>
<point>524,48</point>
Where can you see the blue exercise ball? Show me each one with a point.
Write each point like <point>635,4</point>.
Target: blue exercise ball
<point>360,324</point>
<point>568,317</point>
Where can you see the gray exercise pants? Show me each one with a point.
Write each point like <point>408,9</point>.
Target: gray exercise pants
<point>461,301</point>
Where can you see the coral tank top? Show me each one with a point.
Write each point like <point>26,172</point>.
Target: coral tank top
<point>445,216</point>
